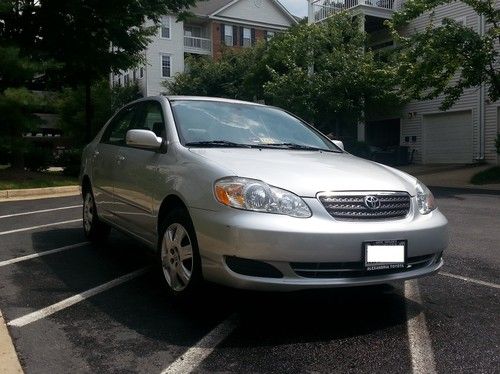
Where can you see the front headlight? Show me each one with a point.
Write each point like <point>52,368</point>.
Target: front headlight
<point>255,195</point>
<point>425,199</point>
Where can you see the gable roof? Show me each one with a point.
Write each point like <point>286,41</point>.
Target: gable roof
<point>205,8</point>
<point>209,8</point>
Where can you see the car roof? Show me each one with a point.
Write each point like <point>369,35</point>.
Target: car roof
<point>208,98</point>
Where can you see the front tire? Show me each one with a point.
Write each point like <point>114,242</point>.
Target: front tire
<point>178,254</point>
<point>94,229</point>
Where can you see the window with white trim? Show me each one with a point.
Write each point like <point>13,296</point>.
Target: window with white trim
<point>247,37</point>
<point>166,66</point>
<point>228,35</point>
<point>165,27</point>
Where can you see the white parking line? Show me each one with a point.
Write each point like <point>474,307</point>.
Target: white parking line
<point>40,254</point>
<point>472,280</point>
<point>422,356</point>
<point>40,211</point>
<point>40,226</point>
<point>42,313</point>
<point>196,354</point>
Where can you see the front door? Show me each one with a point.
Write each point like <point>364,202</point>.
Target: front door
<point>137,176</point>
<point>104,162</point>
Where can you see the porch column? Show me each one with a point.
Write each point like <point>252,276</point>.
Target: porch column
<point>361,132</point>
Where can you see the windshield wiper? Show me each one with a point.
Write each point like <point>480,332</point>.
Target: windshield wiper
<point>297,146</point>
<point>217,143</point>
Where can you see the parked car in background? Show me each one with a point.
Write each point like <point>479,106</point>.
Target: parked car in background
<point>250,196</point>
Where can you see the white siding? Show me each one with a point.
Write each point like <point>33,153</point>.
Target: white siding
<point>264,12</point>
<point>173,47</point>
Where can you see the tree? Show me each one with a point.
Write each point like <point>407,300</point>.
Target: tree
<point>230,76</point>
<point>88,38</point>
<point>446,59</point>
<point>105,102</point>
<point>346,83</point>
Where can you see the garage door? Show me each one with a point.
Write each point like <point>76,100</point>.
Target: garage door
<point>448,138</point>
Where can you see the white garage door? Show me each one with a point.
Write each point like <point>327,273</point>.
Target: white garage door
<point>448,138</point>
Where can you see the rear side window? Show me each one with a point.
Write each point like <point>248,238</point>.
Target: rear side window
<point>117,130</point>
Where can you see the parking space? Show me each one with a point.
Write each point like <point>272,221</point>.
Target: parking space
<point>73,306</point>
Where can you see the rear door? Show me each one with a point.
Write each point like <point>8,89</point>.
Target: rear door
<point>137,176</point>
<point>104,161</point>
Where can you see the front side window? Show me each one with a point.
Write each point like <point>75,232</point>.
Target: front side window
<point>151,118</point>
<point>165,66</point>
<point>199,122</point>
<point>165,27</point>
<point>117,130</point>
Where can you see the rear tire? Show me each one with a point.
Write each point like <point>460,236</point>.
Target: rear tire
<point>94,229</point>
<point>178,255</point>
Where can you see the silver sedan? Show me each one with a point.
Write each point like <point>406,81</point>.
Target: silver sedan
<point>250,196</point>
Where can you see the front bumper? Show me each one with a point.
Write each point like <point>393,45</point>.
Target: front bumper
<point>281,241</point>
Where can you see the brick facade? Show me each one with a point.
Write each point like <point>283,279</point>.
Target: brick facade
<point>217,42</point>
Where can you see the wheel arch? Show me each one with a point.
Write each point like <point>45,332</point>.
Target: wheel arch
<point>169,203</point>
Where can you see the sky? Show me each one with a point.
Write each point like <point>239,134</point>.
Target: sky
<point>296,7</point>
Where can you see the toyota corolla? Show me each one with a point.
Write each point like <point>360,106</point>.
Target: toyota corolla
<point>250,196</point>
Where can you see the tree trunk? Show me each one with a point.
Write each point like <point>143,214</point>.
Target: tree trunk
<point>88,111</point>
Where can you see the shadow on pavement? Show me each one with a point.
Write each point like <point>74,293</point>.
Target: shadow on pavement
<point>143,306</point>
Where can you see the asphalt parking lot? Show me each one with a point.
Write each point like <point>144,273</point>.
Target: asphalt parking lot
<point>74,307</point>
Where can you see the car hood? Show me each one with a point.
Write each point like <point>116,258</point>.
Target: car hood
<point>308,172</point>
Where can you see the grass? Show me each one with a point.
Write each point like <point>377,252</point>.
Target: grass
<point>491,175</point>
<point>19,179</point>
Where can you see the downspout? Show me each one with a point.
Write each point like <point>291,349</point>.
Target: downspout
<point>481,100</point>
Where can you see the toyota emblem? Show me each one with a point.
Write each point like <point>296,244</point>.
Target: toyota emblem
<point>372,202</point>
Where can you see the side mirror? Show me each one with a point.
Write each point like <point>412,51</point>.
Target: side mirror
<point>339,144</point>
<point>143,139</point>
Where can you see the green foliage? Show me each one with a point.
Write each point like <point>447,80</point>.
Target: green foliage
<point>491,175</point>
<point>446,59</point>
<point>70,160</point>
<point>38,158</point>
<point>230,76</point>
<point>105,102</point>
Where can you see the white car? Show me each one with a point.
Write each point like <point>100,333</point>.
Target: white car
<point>250,196</point>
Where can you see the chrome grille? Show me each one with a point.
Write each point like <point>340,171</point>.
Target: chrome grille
<point>392,205</point>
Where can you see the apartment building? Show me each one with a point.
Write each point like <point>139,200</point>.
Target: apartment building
<point>465,133</point>
<point>215,23</point>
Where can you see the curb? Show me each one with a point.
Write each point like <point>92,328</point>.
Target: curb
<point>38,193</point>
<point>9,362</point>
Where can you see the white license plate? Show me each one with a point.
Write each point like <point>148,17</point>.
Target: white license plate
<point>385,255</point>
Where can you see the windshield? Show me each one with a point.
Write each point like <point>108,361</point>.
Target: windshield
<point>221,124</point>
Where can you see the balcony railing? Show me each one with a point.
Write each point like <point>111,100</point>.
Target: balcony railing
<point>323,9</point>
<point>197,45</point>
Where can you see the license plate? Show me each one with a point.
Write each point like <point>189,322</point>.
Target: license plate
<point>387,254</point>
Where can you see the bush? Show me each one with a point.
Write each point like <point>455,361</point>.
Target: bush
<point>491,175</point>
<point>38,158</point>
<point>70,160</point>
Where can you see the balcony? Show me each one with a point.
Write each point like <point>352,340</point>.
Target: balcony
<point>322,9</point>
<point>193,44</point>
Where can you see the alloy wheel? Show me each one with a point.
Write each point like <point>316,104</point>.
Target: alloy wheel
<point>177,257</point>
